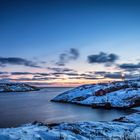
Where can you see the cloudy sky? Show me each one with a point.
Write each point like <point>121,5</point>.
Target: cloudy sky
<point>69,42</point>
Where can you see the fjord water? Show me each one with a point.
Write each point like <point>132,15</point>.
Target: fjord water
<point>17,108</point>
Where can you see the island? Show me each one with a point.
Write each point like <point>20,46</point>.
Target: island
<point>16,87</point>
<point>119,95</point>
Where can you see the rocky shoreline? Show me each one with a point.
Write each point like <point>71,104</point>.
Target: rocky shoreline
<point>124,128</point>
<point>118,95</point>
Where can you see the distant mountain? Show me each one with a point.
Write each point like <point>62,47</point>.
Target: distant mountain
<point>16,87</point>
<point>122,94</point>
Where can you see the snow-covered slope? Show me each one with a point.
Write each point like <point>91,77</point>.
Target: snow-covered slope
<point>133,118</point>
<point>16,87</point>
<point>124,94</point>
<point>75,131</point>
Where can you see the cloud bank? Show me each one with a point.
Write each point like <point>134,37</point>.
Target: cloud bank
<point>102,58</point>
<point>130,66</point>
<point>17,61</point>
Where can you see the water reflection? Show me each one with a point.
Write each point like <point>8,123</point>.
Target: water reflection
<point>21,108</point>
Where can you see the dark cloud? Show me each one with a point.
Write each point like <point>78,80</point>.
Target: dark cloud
<point>3,72</point>
<point>74,53</point>
<point>60,70</point>
<point>103,58</point>
<point>35,78</point>
<point>17,61</point>
<point>53,74</point>
<point>64,58</point>
<point>93,78</point>
<point>111,75</point>
<point>21,73</point>
<point>88,76</point>
<point>43,74</point>
<point>64,71</point>
<point>21,79</point>
<point>99,73</point>
<point>43,78</point>
<point>56,72</point>
<point>72,74</point>
<point>130,66</point>
<point>85,77</point>
<point>27,73</point>
<point>114,75</point>
<point>4,76</point>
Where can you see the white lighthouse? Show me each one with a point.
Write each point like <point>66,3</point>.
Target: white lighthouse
<point>123,76</point>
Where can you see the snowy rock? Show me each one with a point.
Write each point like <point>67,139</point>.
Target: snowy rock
<point>133,118</point>
<point>16,87</point>
<point>73,131</point>
<point>125,94</point>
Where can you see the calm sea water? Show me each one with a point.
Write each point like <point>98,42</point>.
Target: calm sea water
<point>26,107</point>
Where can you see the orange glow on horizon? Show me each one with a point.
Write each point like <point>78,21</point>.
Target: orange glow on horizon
<point>68,83</point>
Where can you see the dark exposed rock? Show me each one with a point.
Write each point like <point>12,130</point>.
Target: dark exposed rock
<point>102,105</point>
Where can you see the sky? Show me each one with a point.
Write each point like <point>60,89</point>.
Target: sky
<point>69,42</point>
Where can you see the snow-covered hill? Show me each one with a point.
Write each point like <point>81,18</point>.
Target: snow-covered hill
<point>125,94</point>
<point>16,87</point>
<point>76,131</point>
